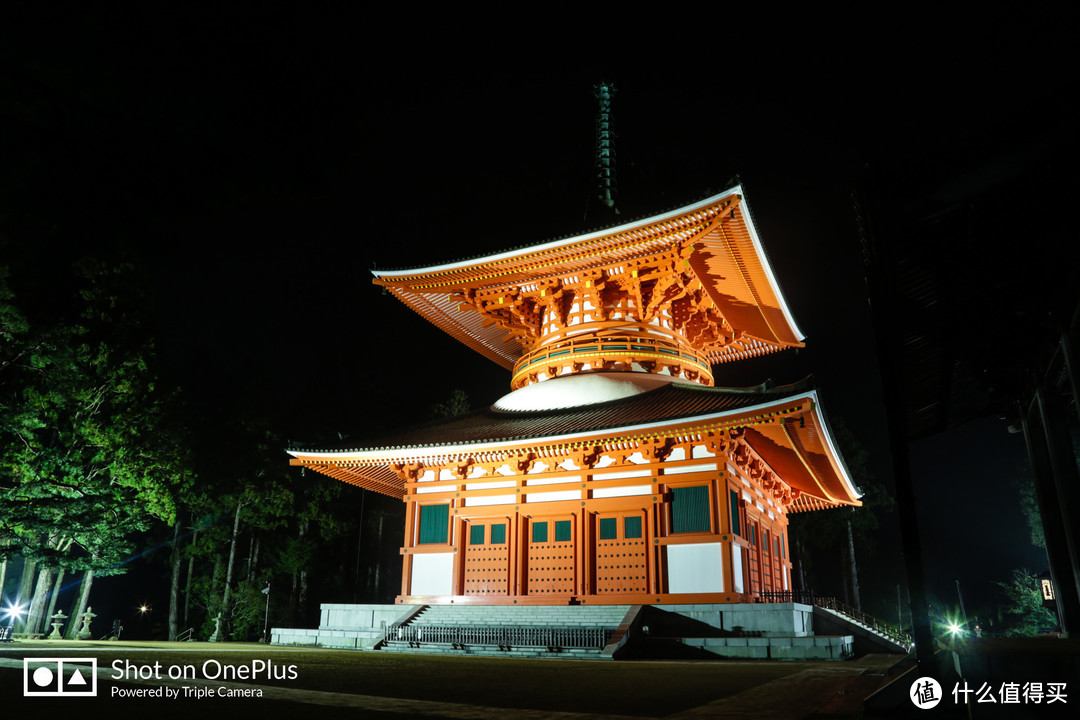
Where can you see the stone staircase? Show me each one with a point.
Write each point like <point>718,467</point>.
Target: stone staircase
<point>750,631</point>
<point>571,631</point>
<point>869,637</point>
<point>832,616</point>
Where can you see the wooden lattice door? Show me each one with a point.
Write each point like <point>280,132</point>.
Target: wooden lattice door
<point>552,557</point>
<point>621,565</point>
<point>487,558</point>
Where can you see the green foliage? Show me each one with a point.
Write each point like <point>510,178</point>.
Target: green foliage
<point>88,452</point>
<point>12,323</point>
<point>295,555</point>
<point>1029,506</point>
<point>1025,608</point>
<point>456,404</point>
<point>247,612</point>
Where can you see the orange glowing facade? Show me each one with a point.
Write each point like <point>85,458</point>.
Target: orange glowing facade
<point>614,472</point>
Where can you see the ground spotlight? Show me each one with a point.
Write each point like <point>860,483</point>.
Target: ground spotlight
<point>14,612</point>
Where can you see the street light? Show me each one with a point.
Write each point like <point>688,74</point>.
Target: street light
<point>266,622</point>
<point>13,613</point>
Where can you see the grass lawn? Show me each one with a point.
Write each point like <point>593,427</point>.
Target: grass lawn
<point>649,689</point>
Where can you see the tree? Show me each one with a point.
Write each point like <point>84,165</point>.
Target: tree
<point>456,404</point>
<point>88,456</point>
<point>1025,606</point>
<point>1029,506</point>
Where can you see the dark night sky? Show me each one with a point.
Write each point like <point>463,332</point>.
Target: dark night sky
<point>259,163</point>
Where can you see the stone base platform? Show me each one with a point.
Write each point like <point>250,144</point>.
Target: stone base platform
<point>355,627</point>
<point>775,631</point>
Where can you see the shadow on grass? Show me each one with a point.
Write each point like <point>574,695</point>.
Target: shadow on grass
<point>641,688</point>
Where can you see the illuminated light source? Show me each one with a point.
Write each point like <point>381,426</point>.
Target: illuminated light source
<point>1047,590</point>
<point>143,609</point>
<point>954,629</point>
<point>14,612</point>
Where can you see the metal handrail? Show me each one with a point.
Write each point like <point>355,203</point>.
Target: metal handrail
<point>500,635</point>
<point>186,636</point>
<point>831,603</point>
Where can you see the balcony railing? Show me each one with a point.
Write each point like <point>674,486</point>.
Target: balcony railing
<point>503,636</point>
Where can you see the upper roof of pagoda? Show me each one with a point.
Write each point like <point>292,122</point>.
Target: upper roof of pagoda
<point>706,255</point>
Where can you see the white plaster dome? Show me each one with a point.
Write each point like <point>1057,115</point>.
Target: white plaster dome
<point>581,389</point>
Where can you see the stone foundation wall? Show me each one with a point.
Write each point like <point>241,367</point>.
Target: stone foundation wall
<point>768,619</point>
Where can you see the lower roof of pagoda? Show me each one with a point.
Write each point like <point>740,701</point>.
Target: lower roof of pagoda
<point>784,425</point>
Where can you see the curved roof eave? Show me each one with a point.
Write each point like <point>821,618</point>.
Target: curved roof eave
<point>844,473</point>
<point>760,249</point>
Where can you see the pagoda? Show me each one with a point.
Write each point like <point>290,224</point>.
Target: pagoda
<point>614,472</point>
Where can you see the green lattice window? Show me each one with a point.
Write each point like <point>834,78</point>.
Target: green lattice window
<point>539,532</point>
<point>434,524</point>
<point>476,535</point>
<point>734,498</point>
<point>609,528</point>
<point>498,534</point>
<point>632,527</point>
<point>562,531</point>
<point>690,509</point>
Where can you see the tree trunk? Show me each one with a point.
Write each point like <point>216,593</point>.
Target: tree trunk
<point>359,548</point>
<point>57,586</point>
<point>226,597</point>
<point>174,585</point>
<point>378,555</point>
<point>293,593</point>
<point>215,578</point>
<point>35,619</point>
<point>64,545</point>
<point>845,577</point>
<point>80,605</point>
<point>302,601</point>
<point>802,568</point>
<point>3,573</point>
<point>22,595</point>
<point>187,583</point>
<point>854,570</point>
<point>254,569</point>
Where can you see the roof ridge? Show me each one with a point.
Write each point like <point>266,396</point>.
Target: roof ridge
<point>502,425</point>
